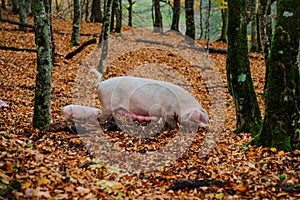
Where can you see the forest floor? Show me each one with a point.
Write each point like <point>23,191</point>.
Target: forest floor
<point>115,164</point>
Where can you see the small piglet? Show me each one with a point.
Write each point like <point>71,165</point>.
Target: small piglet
<point>80,112</point>
<point>3,104</point>
<point>148,99</point>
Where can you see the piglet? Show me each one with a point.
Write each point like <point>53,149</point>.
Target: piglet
<point>3,104</point>
<point>80,112</point>
<point>147,99</point>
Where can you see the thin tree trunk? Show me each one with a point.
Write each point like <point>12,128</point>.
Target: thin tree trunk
<point>56,6</point>
<point>49,10</point>
<point>119,16</point>
<point>254,42</point>
<point>22,14</point>
<point>176,15</point>
<point>3,5</point>
<point>96,14</point>
<point>75,40</point>
<point>130,12</point>
<point>87,10</point>
<point>113,11</point>
<point>189,19</point>
<point>282,119</point>
<point>265,26</point>
<point>238,70</point>
<point>15,6</point>
<point>157,18</point>
<point>208,26</point>
<point>104,36</point>
<point>28,7</point>
<point>224,13</point>
<point>42,100</point>
<point>201,19</point>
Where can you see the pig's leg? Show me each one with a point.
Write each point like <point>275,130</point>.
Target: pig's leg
<point>171,121</point>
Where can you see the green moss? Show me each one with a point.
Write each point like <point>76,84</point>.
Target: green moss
<point>38,7</point>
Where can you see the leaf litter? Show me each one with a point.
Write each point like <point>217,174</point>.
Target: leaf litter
<point>62,165</point>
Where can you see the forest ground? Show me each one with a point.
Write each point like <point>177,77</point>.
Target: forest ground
<point>66,166</point>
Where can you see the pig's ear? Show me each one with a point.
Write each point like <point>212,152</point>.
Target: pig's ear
<point>199,115</point>
<point>191,115</point>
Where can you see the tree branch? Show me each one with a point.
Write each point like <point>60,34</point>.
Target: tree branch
<point>16,23</point>
<point>79,49</point>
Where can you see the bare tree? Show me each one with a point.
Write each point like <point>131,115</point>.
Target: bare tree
<point>131,3</point>
<point>176,15</point>
<point>3,4</point>
<point>75,40</point>
<point>104,36</point>
<point>96,14</point>
<point>189,19</point>
<point>156,16</point>
<point>254,15</point>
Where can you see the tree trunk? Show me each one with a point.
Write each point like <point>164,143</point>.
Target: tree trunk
<point>28,7</point>
<point>104,36</point>
<point>189,19</point>
<point>3,5</point>
<point>176,15</point>
<point>112,16</point>
<point>238,70</point>
<point>265,26</point>
<point>48,9</point>
<point>15,6</point>
<point>87,10</point>
<point>57,6</point>
<point>42,100</point>
<point>75,40</point>
<point>224,13</point>
<point>119,16</point>
<point>130,12</point>
<point>157,18</point>
<point>96,14</point>
<point>200,19</point>
<point>254,42</point>
<point>282,119</point>
<point>22,14</point>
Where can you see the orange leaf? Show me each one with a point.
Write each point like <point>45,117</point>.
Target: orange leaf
<point>242,188</point>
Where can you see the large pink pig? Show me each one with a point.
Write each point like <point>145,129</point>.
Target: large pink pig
<point>149,99</point>
<point>80,112</point>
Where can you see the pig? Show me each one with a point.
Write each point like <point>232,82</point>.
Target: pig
<point>147,99</point>
<point>139,118</point>
<point>3,104</point>
<point>79,112</point>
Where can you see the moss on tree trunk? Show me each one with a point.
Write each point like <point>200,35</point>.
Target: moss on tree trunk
<point>281,127</point>
<point>238,70</point>
<point>42,100</point>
